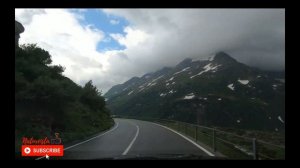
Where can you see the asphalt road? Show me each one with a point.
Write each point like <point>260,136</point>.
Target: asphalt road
<point>129,138</point>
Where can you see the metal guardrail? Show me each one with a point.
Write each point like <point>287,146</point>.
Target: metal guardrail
<point>229,144</point>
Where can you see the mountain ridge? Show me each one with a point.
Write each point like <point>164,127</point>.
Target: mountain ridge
<point>230,88</point>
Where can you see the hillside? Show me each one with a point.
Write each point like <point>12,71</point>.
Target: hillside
<point>216,92</point>
<point>47,102</point>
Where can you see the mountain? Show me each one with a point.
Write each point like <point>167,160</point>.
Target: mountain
<point>219,91</point>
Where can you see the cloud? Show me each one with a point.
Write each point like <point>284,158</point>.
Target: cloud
<point>26,15</point>
<point>252,36</point>
<point>69,43</point>
<point>132,38</point>
<point>114,22</point>
<point>255,37</point>
<point>155,38</point>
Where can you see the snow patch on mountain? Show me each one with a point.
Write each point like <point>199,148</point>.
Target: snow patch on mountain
<point>211,58</point>
<point>153,84</point>
<point>189,96</point>
<point>162,94</point>
<point>230,86</point>
<point>208,67</point>
<point>185,69</point>
<point>141,89</point>
<point>157,78</point>
<point>280,119</point>
<point>171,91</point>
<point>170,79</point>
<point>244,82</point>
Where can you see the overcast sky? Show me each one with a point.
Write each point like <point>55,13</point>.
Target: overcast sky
<point>109,46</point>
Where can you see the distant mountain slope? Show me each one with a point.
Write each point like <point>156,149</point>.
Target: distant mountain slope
<point>218,92</point>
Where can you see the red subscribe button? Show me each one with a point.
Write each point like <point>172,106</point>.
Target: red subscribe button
<point>42,150</point>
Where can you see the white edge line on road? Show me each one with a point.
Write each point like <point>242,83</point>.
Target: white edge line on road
<point>116,126</point>
<point>188,139</point>
<point>131,143</point>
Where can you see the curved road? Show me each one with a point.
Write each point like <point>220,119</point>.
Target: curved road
<point>133,138</point>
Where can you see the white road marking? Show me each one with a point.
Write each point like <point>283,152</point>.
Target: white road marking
<point>86,140</point>
<point>131,143</point>
<point>191,141</point>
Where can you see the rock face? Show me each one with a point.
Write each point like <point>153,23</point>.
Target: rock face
<point>18,30</point>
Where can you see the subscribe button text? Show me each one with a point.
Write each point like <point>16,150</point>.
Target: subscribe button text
<point>42,150</point>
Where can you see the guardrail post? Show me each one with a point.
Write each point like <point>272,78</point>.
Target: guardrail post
<point>214,140</point>
<point>254,149</point>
